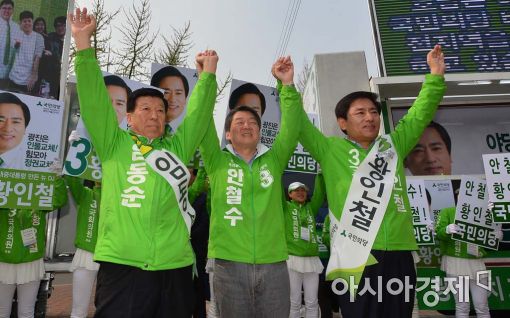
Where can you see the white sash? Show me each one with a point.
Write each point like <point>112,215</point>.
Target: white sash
<point>171,168</point>
<point>353,236</point>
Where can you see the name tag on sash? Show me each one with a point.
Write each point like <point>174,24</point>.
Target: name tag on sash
<point>305,234</point>
<point>171,168</point>
<point>29,236</point>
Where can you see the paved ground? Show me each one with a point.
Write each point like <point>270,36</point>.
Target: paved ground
<point>59,304</point>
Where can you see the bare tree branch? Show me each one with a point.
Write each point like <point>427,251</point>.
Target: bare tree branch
<point>137,42</point>
<point>220,92</point>
<point>102,38</point>
<point>303,77</point>
<point>176,49</point>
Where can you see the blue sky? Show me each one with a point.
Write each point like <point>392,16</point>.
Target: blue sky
<point>246,33</point>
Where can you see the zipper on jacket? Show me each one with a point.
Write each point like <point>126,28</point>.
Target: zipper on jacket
<point>253,213</point>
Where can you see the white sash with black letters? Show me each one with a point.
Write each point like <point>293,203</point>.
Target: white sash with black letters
<point>353,236</point>
<point>171,168</point>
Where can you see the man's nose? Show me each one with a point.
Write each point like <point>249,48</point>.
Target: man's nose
<point>429,155</point>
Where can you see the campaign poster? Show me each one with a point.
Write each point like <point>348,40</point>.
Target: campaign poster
<point>497,172</point>
<point>473,215</point>
<point>82,160</point>
<point>441,195</point>
<point>265,101</point>
<point>455,142</point>
<point>32,53</point>
<point>417,195</point>
<point>30,130</point>
<point>177,84</point>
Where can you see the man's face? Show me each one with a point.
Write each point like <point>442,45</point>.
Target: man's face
<point>252,101</point>
<point>60,29</point>
<point>363,121</point>
<point>148,118</point>
<point>12,126</point>
<point>26,25</point>
<point>244,130</point>
<point>175,96</point>
<point>430,156</point>
<point>118,96</point>
<point>298,195</point>
<point>6,11</point>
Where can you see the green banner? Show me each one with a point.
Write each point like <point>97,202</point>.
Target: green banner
<point>21,189</point>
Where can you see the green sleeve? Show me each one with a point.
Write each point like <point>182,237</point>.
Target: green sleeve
<point>309,136</point>
<point>312,139</point>
<point>291,108</point>
<point>443,220</point>
<point>59,193</point>
<point>76,187</point>
<point>410,128</point>
<point>198,186</point>
<point>95,106</point>
<point>319,194</point>
<point>326,240</point>
<point>210,148</point>
<point>198,116</point>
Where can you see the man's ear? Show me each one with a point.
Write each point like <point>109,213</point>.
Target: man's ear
<point>128,118</point>
<point>342,123</point>
<point>227,135</point>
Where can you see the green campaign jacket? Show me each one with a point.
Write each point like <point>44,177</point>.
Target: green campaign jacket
<point>339,157</point>
<point>87,221</point>
<point>13,221</point>
<point>247,221</point>
<point>447,245</point>
<point>141,224</point>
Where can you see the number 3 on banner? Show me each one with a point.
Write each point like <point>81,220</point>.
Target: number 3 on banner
<point>77,165</point>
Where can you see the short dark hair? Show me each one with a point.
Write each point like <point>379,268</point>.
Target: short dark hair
<point>59,20</point>
<point>145,91</point>
<point>4,2</point>
<point>26,15</point>
<point>114,80</point>
<point>247,88</point>
<point>40,19</point>
<point>443,134</point>
<point>343,106</point>
<point>242,108</point>
<point>169,71</point>
<point>9,98</point>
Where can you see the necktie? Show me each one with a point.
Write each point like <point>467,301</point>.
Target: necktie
<point>7,50</point>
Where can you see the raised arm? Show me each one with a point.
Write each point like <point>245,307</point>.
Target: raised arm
<point>319,194</point>
<point>291,108</point>
<point>76,187</point>
<point>59,193</point>
<point>410,128</point>
<point>210,147</point>
<point>95,106</point>
<point>199,111</point>
<point>198,186</point>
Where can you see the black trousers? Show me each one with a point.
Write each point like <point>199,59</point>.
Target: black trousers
<point>391,264</point>
<point>129,292</point>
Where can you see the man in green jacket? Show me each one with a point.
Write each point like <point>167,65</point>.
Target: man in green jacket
<point>247,231</point>
<point>143,241</point>
<point>371,221</point>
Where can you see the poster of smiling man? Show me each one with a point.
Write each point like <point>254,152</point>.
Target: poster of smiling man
<point>30,130</point>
